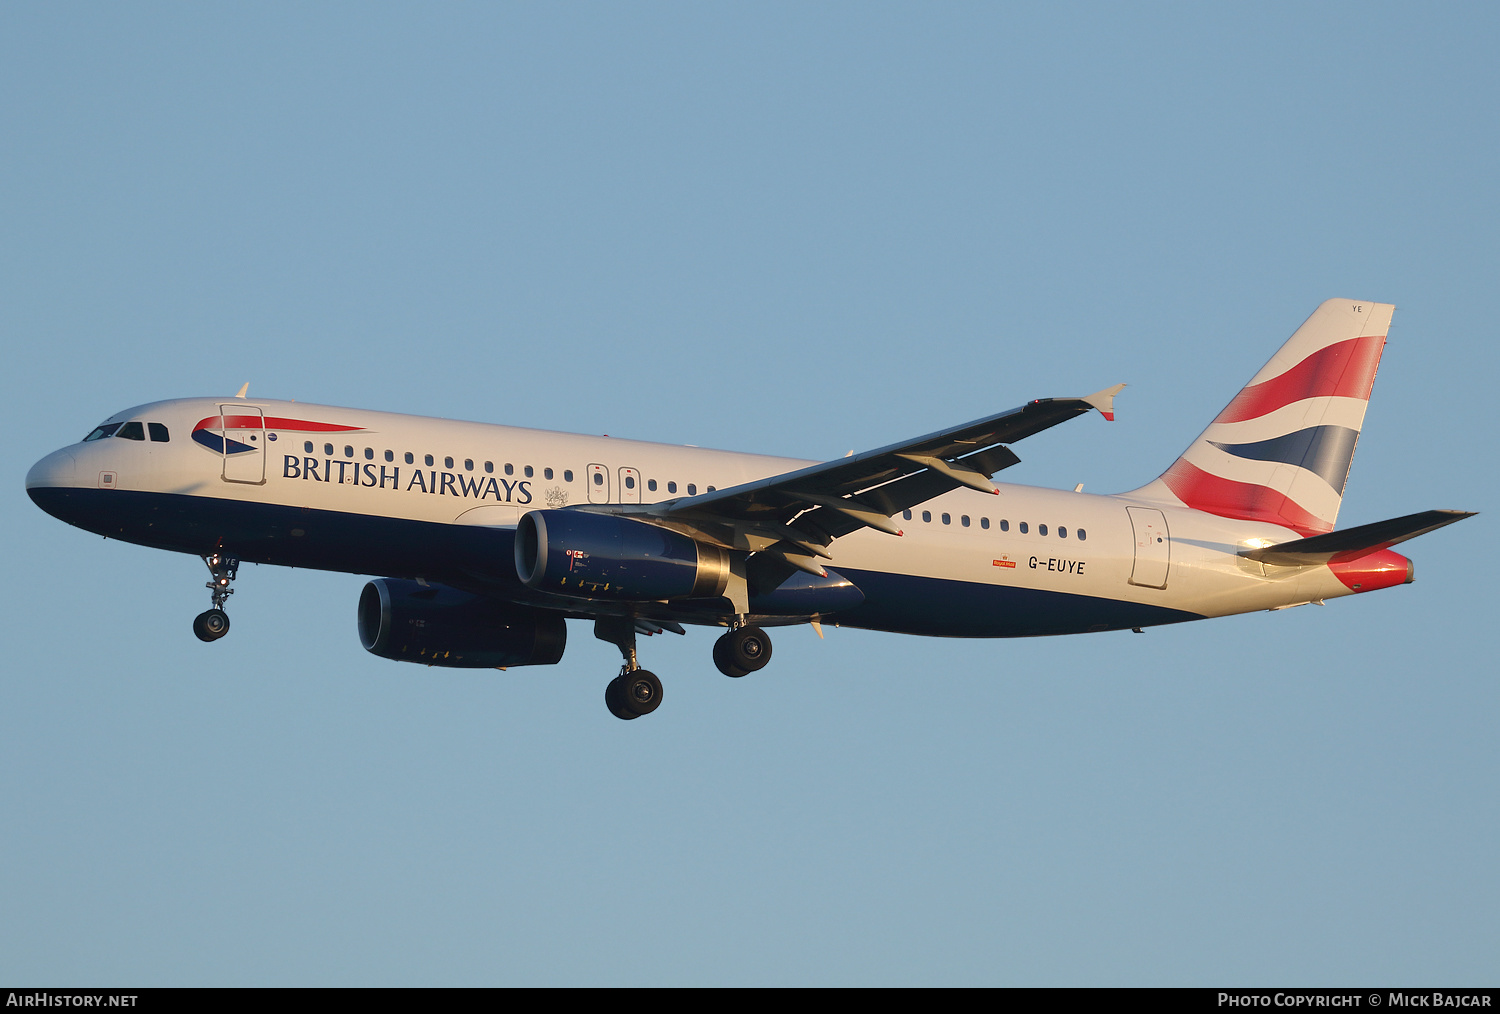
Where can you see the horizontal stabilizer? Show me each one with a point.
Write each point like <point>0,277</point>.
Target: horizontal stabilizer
<point>1352,543</point>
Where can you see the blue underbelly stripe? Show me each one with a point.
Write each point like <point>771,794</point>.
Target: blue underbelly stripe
<point>480,558</point>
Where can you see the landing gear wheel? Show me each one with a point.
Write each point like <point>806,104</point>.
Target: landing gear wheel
<point>211,625</point>
<point>614,699</point>
<point>642,692</point>
<point>743,650</point>
<point>633,694</point>
<point>723,661</point>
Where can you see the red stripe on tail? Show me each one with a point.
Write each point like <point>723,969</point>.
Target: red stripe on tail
<point>1344,369</point>
<point>1243,501</point>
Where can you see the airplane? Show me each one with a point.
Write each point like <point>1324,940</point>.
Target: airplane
<point>486,539</point>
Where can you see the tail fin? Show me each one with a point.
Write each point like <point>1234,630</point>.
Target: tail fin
<point>1281,450</point>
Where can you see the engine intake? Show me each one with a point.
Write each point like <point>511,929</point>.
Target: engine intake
<point>436,625</point>
<point>603,556</point>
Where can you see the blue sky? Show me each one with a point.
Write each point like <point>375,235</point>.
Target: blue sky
<point>794,229</point>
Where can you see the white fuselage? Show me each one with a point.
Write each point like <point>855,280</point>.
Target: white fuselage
<point>326,464</point>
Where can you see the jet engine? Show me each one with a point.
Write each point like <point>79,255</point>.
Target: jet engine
<point>437,625</point>
<point>603,556</point>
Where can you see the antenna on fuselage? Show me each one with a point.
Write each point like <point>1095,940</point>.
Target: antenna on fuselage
<point>244,389</point>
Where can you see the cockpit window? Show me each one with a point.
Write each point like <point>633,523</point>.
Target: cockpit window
<point>158,432</point>
<point>132,431</point>
<point>107,430</point>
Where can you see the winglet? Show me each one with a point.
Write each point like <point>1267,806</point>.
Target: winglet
<point>1104,401</point>
<point>244,390</point>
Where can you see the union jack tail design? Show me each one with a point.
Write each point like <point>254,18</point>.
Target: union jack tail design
<point>1280,451</point>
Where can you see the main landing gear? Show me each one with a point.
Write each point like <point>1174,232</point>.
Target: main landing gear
<point>636,691</point>
<point>743,650</point>
<point>214,623</point>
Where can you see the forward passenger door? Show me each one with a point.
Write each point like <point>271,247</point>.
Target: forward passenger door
<point>243,430</point>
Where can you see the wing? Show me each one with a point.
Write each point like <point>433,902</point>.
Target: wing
<point>797,515</point>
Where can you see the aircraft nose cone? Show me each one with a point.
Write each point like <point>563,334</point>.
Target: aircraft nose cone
<point>56,469</point>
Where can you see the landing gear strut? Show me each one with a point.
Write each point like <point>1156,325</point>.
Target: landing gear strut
<point>743,650</point>
<point>214,623</point>
<point>635,692</point>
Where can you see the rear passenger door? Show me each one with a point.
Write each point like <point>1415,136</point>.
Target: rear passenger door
<point>1153,548</point>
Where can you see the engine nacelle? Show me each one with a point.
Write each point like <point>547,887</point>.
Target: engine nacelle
<point>603,556</point>
<point>436,625</point>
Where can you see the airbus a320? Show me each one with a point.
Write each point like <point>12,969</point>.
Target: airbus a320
<point>485,540</point>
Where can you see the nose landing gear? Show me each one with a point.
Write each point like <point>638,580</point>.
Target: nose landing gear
<point>214,623</point>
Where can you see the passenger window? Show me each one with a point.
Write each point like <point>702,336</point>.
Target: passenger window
<point>158,433</point>
<point>650,483</point>
<point>1082,535</point>
<point>528,471</point>
<point>428,459</point>
<point>369,454</point>
<point>984,523</point>
<point>1041,529</point>
<point>547,473</point>
<point>447,462</point>
<point>1004,525</point>
<point>1062,533</point>
<point>390,455</point>
<point>671,487</point>
<point>510,469</point>
<point>598,478</point>
<point>709,490</point>
<point>692,489</point>
<point>947,519</point>
<point>348,451</point>
<point>927,516</point>
<point>132,431</point>
<point>567,475</point>
<point>468,464</point>
<point>328,450</point>
<point>307,447</point>
<point>489,466</point>
<point>410,457</point>
<point>101,432</point>
<point>906,515</point>
<point>630,482</point>
<point>1023,528</point>
<point>964,521</point>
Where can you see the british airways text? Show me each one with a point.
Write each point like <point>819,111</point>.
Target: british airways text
<point>376,476</point>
